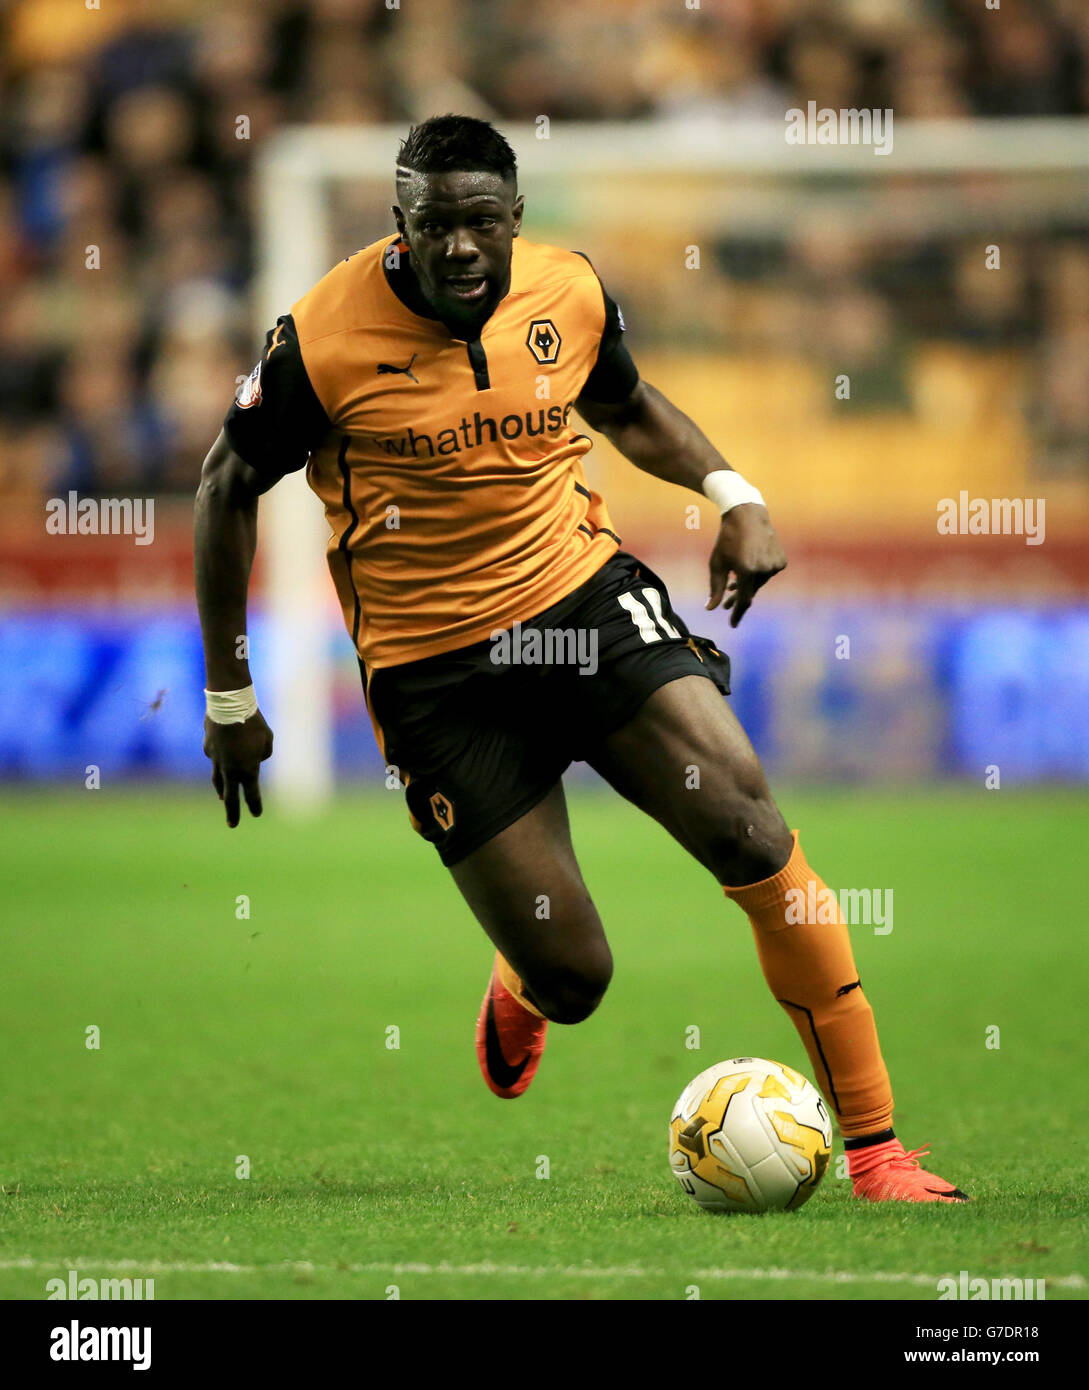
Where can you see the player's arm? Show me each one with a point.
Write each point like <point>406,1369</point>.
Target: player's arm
<point>274,424</point>
<point>224,544</point>
<point>653,434</point>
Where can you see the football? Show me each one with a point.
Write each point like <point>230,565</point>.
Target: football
<point>749,1135</point>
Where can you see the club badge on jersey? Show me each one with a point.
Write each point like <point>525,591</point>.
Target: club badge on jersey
<point>544,341</point>
<point>250,394</point>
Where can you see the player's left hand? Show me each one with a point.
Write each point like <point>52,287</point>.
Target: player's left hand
<point>746,555</point>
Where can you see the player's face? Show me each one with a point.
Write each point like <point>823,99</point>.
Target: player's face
<point>460,228</point>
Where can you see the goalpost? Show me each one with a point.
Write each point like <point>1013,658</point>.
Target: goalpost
<point>619,180</point>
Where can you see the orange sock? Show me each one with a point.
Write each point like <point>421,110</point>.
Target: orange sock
<point>811,972</point>
<point>510,981</point>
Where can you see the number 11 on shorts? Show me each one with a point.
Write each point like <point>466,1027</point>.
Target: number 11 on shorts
<point>651,628</point>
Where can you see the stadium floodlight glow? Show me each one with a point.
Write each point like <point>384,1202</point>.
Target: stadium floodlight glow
<point>298,167</point>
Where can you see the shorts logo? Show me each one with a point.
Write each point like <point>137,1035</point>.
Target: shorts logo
<point>250,395</point>
<point>442,811</point>
<point>544,341</point>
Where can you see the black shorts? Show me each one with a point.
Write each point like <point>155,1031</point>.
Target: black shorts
<point>480,735</point>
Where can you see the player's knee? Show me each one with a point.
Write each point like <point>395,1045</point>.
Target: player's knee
<point>751,841</point>
<point>572,993</point>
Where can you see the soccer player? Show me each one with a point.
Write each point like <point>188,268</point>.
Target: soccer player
<point>427,384</point>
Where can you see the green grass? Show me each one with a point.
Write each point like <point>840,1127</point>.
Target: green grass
<point>266,1037</point>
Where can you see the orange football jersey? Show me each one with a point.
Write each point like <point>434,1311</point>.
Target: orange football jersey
<point>451,471</point>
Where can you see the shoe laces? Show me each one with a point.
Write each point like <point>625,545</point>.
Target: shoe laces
<point>910,1158</point>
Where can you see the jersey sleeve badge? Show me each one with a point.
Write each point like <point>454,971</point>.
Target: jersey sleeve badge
<point>250,394</point>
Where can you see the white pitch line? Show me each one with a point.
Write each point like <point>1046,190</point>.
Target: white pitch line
<point>486,1268</point>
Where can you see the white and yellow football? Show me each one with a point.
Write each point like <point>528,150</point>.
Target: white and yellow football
<point>749,1135</point>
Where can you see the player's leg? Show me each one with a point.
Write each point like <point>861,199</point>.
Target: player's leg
<point>482,766</point>
<point>525,889</point>
<point>552,960</point>
<point>686,761</point>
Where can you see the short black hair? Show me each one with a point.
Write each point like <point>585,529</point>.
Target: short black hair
<point>448,144</point>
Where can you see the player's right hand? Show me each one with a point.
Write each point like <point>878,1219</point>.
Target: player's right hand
<point>237,752</point>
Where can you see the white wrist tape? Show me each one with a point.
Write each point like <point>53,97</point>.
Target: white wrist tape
<point>728,489</point>
<point>230,706</point>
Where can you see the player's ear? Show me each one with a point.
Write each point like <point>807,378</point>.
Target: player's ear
<point>399,218</point>
<point>516,214</point>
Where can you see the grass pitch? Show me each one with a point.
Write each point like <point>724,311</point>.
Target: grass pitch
<point>373,1167</point>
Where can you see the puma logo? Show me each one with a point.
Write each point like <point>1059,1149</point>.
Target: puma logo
<point>277,341</point>
<point>405,371</point>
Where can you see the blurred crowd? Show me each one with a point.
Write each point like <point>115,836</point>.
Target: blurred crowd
<point>127,224</point>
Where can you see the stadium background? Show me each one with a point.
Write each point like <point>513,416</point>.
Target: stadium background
<point>966,651</point>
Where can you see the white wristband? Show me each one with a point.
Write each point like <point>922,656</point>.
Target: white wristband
<point>230,706</point>
<point>728,489</point>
